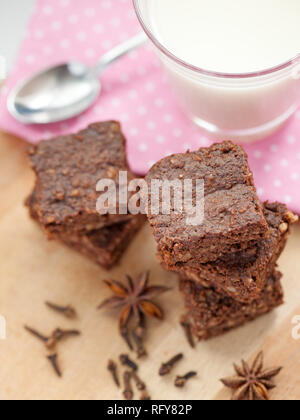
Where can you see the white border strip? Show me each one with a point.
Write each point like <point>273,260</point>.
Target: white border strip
<point>2,68</point>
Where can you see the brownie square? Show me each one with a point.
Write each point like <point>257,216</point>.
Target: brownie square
<point>103,246</point>
<point>243,275</point>
<point>68,169</point>
<point>211,313</point>
<point>233,215</point>
<point>107,245</point>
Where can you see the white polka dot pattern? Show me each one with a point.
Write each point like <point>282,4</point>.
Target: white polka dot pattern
<point>135,91</point>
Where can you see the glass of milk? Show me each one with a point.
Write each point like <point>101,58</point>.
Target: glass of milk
<point>234,65</point>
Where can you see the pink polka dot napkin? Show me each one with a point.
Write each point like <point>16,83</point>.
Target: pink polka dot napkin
<point>136,92</point>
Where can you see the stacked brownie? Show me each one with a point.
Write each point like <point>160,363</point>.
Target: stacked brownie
<point>211,313</point>
<point>227,264</point>
<point>64,200</point>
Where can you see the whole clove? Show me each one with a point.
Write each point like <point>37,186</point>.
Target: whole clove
<point>140,349</point>
<point>180,381</point>
<point>36,334</point>
<point>59,334</point>
<point>54,363</point>
<point>126,361</point>
<point>67,311</point>
<point>112,368</point>
<point>125,335</point>
<point>56,336</point>
<point>141,386</point>
<point>50,342</point>
<point>166,368</point>
<point>128,391</point>
<point>188,332</point>
<point>140,330</point>
<point>145,396</point>
<point>138,336</point>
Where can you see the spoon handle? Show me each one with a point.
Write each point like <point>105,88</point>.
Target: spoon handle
<point>119,51</point>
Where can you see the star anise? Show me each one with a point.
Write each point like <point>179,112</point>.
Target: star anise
<point>252,383</point>
<point>134,299</point>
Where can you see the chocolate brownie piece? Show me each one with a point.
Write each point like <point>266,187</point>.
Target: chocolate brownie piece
<point>68,169</point>
<point>233,215</point>
<point>211,313</point>
<point>244,274</point>
<point>104,246</point>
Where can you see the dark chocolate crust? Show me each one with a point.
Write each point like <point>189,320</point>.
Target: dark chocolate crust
<point>105,246</point>
<point>68,169</point>
<point>243,275</point>
<point>211,313</point>
<point>233,215</point>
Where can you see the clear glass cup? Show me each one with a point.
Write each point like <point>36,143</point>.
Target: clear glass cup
<point>241,107</point>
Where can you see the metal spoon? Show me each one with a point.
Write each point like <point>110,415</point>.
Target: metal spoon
<point>64,91</point>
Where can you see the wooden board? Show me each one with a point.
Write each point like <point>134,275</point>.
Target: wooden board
<point>33,270</point>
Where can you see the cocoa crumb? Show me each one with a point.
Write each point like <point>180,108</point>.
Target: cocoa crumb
<point>75,193</point>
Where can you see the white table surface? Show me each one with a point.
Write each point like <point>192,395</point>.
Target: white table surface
<point>14,15</point>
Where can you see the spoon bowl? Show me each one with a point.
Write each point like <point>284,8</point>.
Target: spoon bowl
<point>64,91</point>
<point>54,95</point>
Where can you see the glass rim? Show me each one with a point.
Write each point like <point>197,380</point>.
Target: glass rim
<point>199,70</point>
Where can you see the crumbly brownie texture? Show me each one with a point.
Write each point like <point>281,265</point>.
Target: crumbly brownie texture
<point>68,169</point>
<point>30,203</point>
<point>243,275</point>
<point>211,313</point>
<point>104,246</point>
<point>233,214</point>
